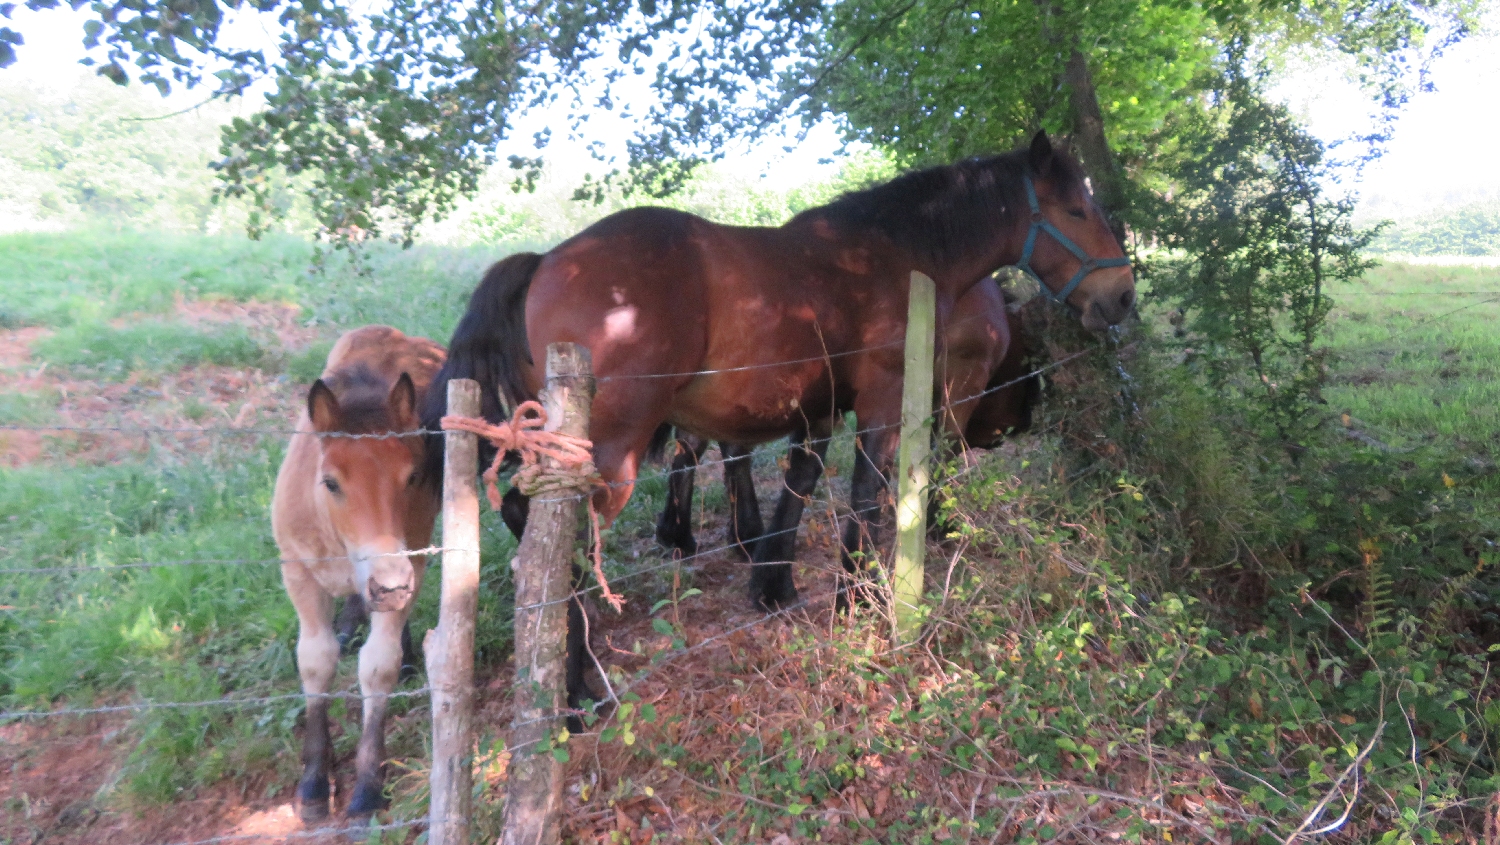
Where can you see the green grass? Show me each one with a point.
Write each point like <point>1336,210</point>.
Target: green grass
<point>151,345</point>
<point>30,408</point>
<point>1417,352</point>
<point>1141,606</point>
<point>60,278</point>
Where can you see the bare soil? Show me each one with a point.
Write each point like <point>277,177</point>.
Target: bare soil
<point>185,412</point>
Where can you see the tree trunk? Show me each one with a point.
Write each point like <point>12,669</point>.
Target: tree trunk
<point>1092,145</point>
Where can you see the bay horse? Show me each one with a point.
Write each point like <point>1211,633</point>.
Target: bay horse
<point>743,334</point>
<point>983,393</point>
<point>346,512</point>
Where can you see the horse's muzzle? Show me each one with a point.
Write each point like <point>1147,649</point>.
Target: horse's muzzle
<point>382,598</point>
<point>1108,310</point>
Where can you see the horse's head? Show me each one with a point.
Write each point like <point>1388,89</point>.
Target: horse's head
<point>1069,246</point>
<point>366,485</point>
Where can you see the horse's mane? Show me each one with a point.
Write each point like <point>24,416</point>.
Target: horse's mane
<point>364,399</point>
<point>943,212</point>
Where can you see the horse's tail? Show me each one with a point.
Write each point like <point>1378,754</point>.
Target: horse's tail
<point>656,450</point>
<point>488,346</point>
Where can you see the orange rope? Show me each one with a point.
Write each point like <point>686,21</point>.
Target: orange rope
<point>571,466</point>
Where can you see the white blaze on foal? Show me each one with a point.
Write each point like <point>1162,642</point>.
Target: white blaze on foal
<point>345,514</point>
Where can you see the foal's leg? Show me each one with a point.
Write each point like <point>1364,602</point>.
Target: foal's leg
<point>771,584</point>
<point>351,616</point>
<point>317,660</point>
<point>379,670</point>
<point>745,528</point>
<point>675,527</point>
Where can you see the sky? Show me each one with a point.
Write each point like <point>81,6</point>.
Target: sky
<point>1444,150</point>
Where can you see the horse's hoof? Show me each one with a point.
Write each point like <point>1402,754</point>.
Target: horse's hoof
<point>677,541</point>
<point>312,799</point>
<point>368,797</point>
<point>773,597</point>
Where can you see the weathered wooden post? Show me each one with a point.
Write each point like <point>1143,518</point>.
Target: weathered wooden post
<point>449,647</point>
<point>533,802</point>
<point>911,459</point>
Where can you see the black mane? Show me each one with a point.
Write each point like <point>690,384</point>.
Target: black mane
<point>940,213</point>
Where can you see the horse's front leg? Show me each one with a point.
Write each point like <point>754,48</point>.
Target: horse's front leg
<point>317,661</point>
<point>771,581</point>
<point>674,529</point>
<point>870,503</point>
<point>379,671</point>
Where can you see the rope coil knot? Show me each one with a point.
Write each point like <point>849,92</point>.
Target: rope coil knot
<point>571,461</point>
<point>568,466</point>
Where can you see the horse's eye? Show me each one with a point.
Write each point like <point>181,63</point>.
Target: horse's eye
<point>1078,213</point>
<point>411,480</point>
<point>333,486</point>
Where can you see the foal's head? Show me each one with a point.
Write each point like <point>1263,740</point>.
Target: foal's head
<point>1103,296</point>
<point>368,486</point>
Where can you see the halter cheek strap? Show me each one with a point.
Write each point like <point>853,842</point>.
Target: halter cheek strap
<point>1041,224</point>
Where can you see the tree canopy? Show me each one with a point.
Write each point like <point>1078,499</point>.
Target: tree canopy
<point>390,113</point>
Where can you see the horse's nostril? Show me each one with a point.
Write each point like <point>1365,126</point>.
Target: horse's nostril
<point>1127,299</point>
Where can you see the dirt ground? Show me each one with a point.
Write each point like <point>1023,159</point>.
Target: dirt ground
<point>186,402</point>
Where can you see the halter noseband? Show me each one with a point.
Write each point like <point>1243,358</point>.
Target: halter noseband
<point>1042,224</point>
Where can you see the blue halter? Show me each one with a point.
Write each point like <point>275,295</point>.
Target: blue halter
<point>1041,224</point>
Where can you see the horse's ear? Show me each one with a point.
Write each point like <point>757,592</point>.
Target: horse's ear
<point>1040,154</point>
<point>322,407</point>
<point>403,401</point>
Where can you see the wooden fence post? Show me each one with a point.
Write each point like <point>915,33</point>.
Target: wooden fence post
<point>911,461</point>
<point>533,798</point>
<point>449,647</point>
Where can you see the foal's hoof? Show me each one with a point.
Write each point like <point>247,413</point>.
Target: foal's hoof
<point>368,797</point>
<point>312,799</point>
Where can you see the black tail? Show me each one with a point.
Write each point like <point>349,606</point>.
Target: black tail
<point>656,450</point>
<point>488,346</point>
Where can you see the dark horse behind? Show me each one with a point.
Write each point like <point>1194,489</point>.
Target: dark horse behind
<point>744,334</point>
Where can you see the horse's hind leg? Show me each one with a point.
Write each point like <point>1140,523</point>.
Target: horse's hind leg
<point>577,655</point>
<point>674,529</point>
<point>745,527</point>
<point>771,584</point>
<point>874,455</point>
<point>379,670</point>
<point>317,660</point>
<point>515,507</point>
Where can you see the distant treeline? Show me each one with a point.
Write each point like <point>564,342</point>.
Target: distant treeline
<point>1472,229</point>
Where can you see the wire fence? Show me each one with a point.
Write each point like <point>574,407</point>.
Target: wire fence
<point>249,702</point>
<point>832,511</point>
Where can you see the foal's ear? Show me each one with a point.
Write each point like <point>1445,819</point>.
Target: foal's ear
<point>1040,154</point>
<point>322,407</point>
<point>403,401</point>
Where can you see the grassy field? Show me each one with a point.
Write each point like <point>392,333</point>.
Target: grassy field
<point>1082,645</point>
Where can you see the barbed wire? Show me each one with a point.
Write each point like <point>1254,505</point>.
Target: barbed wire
<point>35,570</point>
<point>1415,292</point>
<point>934,416</point>
<point>385,435</point>
<point>143,706</point>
